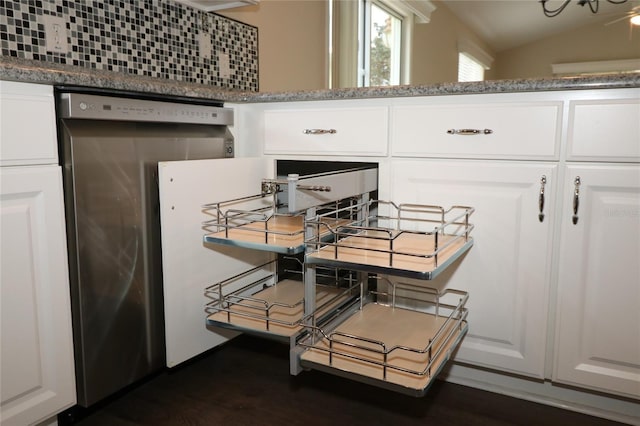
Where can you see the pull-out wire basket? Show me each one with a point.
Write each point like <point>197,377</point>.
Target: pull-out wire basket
<point>410,240</point>
<point>275,309</point>
<point>399,342</point>
<point>256,222</point>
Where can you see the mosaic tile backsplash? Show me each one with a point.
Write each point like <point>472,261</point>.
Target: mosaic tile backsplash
<point>156,38</point>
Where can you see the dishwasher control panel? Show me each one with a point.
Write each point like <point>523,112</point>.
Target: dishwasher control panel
<point>97,107</point>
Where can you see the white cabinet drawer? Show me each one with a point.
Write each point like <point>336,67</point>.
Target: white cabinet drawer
<point>336,131</point>
<point>27,124</point>
<point>606,130</point>
<point>519,130</point>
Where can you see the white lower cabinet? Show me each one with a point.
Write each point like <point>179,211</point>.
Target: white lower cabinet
<point>23,143</point>
<point>466,129</point>
<point>330,237</point>
<point>596,121</point>
<point>597,341</point>
<point>37,375</point>
<point>554,308</point>
<point>331,129</point>
<point>37,351</point>
<point>507,272</point>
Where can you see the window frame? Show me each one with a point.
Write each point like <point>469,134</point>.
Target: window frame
<point>345,17</point>
<point>364,40</point>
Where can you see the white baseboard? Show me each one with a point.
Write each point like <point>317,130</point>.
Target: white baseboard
<point>545,392</point>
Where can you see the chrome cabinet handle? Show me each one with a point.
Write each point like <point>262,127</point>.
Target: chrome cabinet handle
<point>319,131</point>
<point>576,199</point>
<point>469,132</point>
<point>543,182</point>
<point>317,188</point>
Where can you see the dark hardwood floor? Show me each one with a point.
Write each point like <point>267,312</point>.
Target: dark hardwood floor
<point>247,382</point>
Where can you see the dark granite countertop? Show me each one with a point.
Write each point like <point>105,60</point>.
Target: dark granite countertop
<point>30,71</point>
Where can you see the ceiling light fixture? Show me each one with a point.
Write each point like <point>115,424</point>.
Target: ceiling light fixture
<point>593,5</point>
<point>635,20</point>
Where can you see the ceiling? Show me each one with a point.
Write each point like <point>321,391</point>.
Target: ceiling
<point>505,24</point>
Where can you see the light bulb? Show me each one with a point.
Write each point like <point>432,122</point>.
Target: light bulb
<point>635,20</point>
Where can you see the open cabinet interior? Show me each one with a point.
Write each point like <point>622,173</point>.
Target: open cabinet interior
<point>323,285</point>
<point>276,304</point>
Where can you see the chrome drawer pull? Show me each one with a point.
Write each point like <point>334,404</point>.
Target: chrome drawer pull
<point>318,188</point>
<point>319,131</point>
<point>469,132</point>
<point>543,182</point>
<point>576,200</point>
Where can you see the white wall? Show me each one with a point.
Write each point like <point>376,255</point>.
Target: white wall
<point>292,42</point>
<point>435,48</point>
<point>595,42</point>
<point>293,46</point>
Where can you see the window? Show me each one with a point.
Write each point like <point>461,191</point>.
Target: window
<point>370,40</point>
<point>381,46</point>
<point>384,43</point>
<point>469,69</point>
<point>473,60</point>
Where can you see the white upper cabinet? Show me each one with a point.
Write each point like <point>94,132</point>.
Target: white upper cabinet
<point>491,130</point>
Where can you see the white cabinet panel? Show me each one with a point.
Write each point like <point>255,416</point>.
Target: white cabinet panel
<point>598,318</point>
<point>37,349</point>
<point>330,131</point>
<point>518,130</point>
<point>27,124</point>
<point>188,265</point>
<point>21,345</point>
<point>605,129</point>
<point>506,272</point>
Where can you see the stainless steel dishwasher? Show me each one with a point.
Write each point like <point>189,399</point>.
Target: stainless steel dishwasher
<point>110,147</point>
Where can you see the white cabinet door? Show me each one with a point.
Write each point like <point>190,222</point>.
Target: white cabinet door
<point>507,271</point>
<point>598,317</point>
<point>188,265</point>
<point>37,350</point>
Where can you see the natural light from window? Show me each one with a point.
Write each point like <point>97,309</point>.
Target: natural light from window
<point>383,38</point>
<point>469,69</point>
